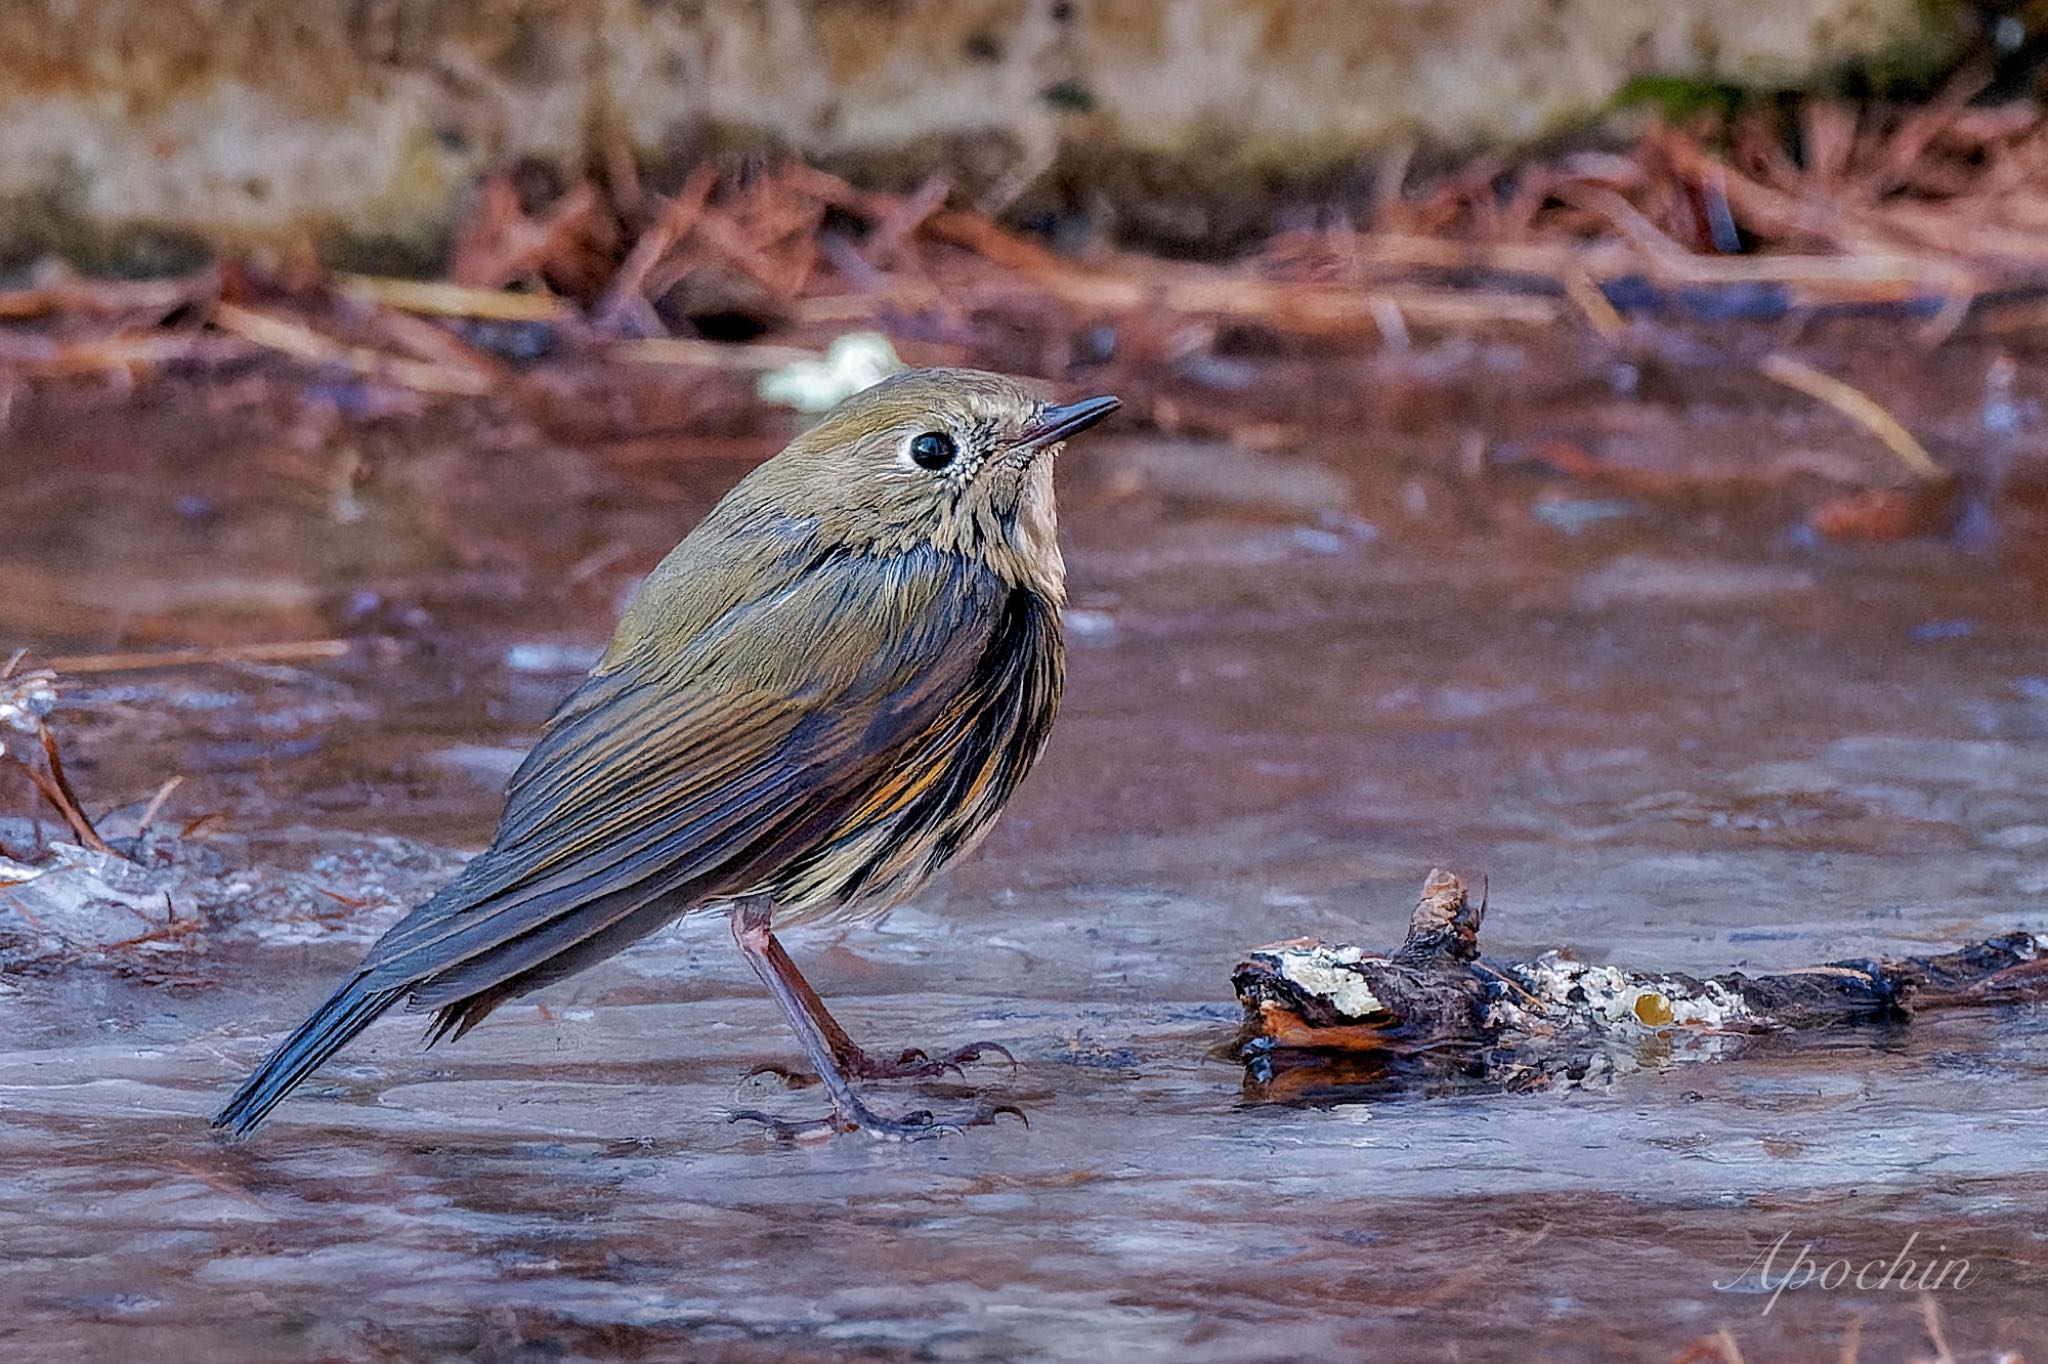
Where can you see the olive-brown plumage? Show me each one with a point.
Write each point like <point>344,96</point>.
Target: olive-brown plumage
<point>822,695</point>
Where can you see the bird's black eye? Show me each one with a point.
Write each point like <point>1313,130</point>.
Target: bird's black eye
<point>933,450</point>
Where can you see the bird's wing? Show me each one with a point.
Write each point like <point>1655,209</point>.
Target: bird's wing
<point>706,764</point>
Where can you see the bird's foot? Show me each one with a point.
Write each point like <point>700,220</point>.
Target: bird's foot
<point>913,1063</point>
<point>916,1062</point>
<point>855,1116</point>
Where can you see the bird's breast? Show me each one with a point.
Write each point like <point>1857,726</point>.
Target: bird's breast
<point>941,790</point>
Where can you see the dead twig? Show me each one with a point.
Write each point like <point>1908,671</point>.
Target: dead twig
<point>720,236</point>
<point>689,352</point>
<point>894,232</point>
<point>1719,1348</point>
<point>170,930</point>
<point>439,298</point>
<point>25,699</point>
<point>624,304</point>
<point>300,651</point>
<point>1599,313</point>
<point>56,789</point>
<point>45,357</point>
<point>71,296</point>
<point>430,343</point>
<point>499,243</point>
<point>156,803</point>
<point>1858,406</point>
<point>1930,1313</point>
<point>289,336</point>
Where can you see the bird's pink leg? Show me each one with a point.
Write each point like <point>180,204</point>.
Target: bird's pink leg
<point>827,1047</point>
<point>852,1061</point>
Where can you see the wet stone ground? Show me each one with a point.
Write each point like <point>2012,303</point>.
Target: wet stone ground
<point>1353,618</point>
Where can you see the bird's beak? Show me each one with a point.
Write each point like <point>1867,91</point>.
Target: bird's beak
<point>1070,419</point>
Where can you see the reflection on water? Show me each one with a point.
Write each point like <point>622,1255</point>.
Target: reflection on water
<point>1673,732</point>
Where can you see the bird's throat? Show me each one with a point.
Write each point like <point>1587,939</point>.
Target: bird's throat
<point>1033,533</point>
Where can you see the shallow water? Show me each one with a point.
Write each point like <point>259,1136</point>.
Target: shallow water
<point>1671,727</point>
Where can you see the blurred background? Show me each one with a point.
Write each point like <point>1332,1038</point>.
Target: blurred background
<point>1593,447</point>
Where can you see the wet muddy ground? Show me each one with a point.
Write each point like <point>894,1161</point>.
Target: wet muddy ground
<point>1527,609</point>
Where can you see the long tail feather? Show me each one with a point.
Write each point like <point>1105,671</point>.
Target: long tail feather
<point>351,1009</point>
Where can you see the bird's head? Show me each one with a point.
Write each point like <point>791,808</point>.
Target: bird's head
<point>955,459</point>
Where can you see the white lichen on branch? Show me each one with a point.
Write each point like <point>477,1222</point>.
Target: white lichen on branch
<point>26,699</point>
<point>1327,973</point>
<point>1610,1000</point>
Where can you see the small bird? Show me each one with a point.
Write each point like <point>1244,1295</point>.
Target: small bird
<point>824,694</point>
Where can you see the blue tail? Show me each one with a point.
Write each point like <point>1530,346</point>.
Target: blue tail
<point>351,1009</point>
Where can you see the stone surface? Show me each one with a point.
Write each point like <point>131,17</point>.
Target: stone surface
<point>143,131</point>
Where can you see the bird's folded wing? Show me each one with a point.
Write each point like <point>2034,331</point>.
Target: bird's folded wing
<point>709,766</point>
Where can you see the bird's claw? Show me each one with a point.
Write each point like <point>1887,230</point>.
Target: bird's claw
<point>974,1051</point>
<point>791,1078</point>
<point>918,1125</point>
<point>917,1063</point>
<point>813,1129</point>
<point>914,1063</point>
